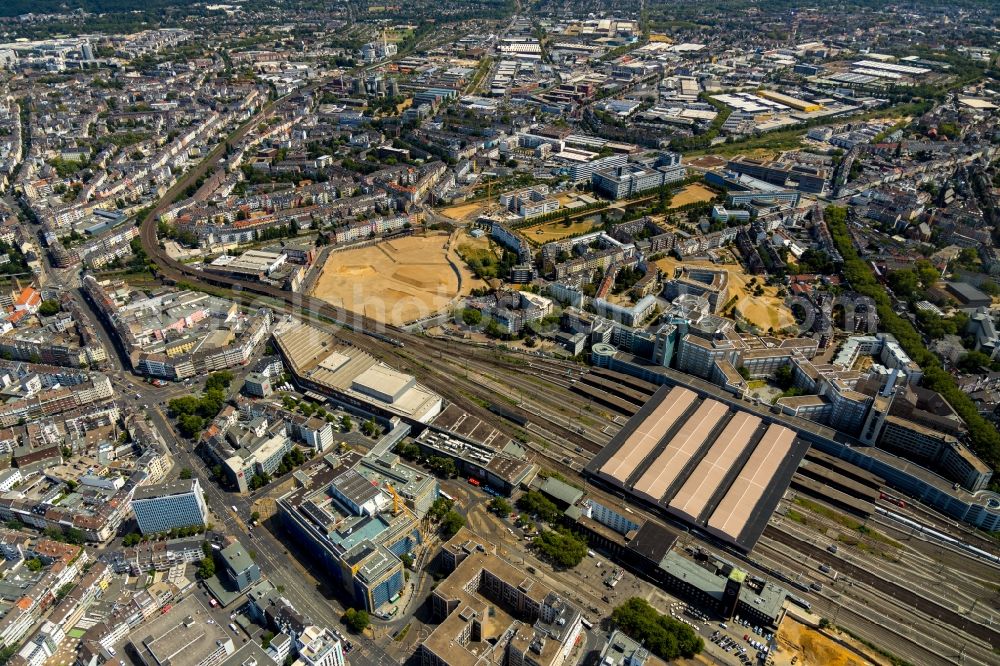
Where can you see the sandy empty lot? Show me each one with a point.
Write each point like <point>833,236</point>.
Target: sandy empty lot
<point>462,212</point>
<point>694,193</point>
<point>814,649</point>
<point>395,281</point>
<point>764,312</point>
<point>547,232</point>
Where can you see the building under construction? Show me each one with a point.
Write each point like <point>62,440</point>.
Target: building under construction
<point>358,515</point>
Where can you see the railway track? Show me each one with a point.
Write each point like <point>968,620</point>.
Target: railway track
<point>890,615</point>
<point>547,407</point>
<point>903,594</point>
<point>962,586</point>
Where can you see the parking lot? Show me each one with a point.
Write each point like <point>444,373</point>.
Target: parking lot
<point>748,643</point>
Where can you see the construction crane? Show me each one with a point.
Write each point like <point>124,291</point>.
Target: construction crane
<point>397,504</point>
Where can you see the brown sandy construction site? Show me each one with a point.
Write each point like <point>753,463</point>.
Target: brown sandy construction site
<point>764,312</point>
<point>396,281</point>
<point>814,648</point>
<point>694,193</point>
<point>463,212</point>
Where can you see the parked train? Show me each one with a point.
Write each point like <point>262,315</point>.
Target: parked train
<point>939,536</point>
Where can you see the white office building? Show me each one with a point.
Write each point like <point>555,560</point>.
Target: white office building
<point>318,646</point>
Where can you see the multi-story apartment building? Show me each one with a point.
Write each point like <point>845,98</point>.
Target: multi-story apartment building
<point>161,334</point>
<point>511,240</point>
<point>363,230</point>
<point>167,506</point>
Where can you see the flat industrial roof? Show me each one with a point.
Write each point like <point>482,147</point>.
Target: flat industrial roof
<point>694,496</point>
<point>646,435</point>
<point>315,355</point>
<point>383,379</point>
<point>680,450</point>
<point>167,489</point>
<point>181,637</point>
<point>734,511</point>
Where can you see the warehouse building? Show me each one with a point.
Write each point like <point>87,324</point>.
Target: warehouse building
<point>791,102</point>
<point>353,377</point>
<point>703,461</point>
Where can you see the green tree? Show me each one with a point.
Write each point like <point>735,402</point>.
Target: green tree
<point>442,466</point>
<point>662,635</point>
<point>973,361</point>
<point>34,564</point>
<point>471,317</point>
<point>968,256</point>
<point>183,406</point>
<point>783,377</point>
<point>408,450</point>
<point>500,507</point>
<point>452,522</point>
<point>990,288</point>
<point>561,547</point>
<point>905,283</point>
<point>369,428</point>
<point>131,539</point>
<point>207,568</point>
<point>74,535</point>
<point>219,381</point>
<point>185,474</point>
<point>346,423</point>
<point>356,620</point>
<point>534,502</point>
<point>48,308</point>
<point>439,508</point>
<point>926,273</point>
<point>493,329</point>
<point>190,425</point>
